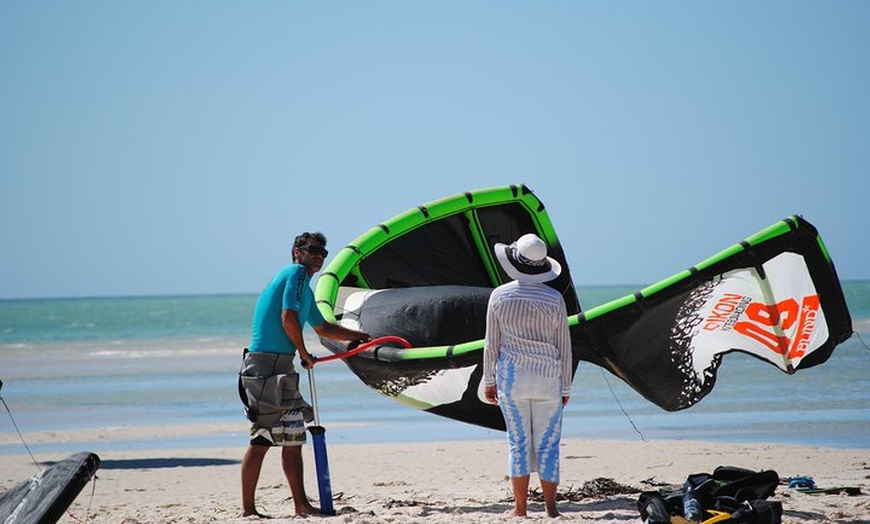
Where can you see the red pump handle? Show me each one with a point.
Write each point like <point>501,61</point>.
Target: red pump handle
<point>380,341</point>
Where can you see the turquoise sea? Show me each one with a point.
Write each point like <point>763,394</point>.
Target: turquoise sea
<point>72,366</point>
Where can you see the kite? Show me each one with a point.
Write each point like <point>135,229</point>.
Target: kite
<point>425,276</point>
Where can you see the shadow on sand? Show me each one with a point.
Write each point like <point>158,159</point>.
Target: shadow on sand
<point>618,508</point>
<point>156,463</point>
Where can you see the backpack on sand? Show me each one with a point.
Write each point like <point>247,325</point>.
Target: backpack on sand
<point>731,495</point>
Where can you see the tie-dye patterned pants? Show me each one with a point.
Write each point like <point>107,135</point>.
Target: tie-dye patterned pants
<point>532,409</point>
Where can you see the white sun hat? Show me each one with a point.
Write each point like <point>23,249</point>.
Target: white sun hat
<point>526,260</point>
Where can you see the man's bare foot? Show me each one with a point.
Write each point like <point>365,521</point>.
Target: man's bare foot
<point>255,513</point>
<point>515,513</point>
<point>307,509</point>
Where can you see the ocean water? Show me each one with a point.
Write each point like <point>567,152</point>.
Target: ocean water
<point>70,366</point>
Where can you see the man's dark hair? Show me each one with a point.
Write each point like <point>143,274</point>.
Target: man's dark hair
<point>306,239</point>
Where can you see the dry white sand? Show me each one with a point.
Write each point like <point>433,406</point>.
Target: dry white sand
<point>440,482</point>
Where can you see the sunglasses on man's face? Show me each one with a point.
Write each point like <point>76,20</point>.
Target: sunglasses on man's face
<point>316,250</point>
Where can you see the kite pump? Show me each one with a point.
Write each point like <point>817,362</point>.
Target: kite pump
<point>318,432</point>
<point>321,461</point>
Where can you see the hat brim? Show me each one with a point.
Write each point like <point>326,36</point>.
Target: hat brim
<point>501,253</point>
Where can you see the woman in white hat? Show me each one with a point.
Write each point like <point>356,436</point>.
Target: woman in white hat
<point>527,367</point>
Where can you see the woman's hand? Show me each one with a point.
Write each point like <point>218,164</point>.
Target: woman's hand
<point>491,394</point>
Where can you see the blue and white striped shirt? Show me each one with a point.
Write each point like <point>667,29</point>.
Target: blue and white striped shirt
<point>528,324</point>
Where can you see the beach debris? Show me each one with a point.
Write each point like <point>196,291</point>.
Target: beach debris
<point>655,483</point>
<point>805,484</point>
<point>800,482</point>
<point>390,483</point>
<point>350,510</point>
<point>393,503</point>
<point>596,488</point>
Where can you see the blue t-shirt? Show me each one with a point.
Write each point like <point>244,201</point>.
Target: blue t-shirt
<point>288,290</point>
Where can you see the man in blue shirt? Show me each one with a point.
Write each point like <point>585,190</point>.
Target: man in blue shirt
<point>283,307</point>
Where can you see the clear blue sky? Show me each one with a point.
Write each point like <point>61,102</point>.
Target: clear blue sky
<point>151,148</point>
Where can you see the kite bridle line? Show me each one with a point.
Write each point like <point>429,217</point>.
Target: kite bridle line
<point>380,341</point>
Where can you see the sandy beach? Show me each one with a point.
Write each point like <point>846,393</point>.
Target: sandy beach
<point>444,481</point>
